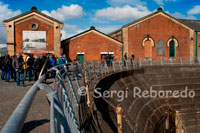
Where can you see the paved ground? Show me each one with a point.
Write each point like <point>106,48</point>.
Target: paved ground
<point>37,120</point>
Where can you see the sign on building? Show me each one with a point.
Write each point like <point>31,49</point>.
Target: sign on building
<point>34,40</point>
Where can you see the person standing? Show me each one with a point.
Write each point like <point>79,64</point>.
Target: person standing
<point>62,60</point>
<point>2,67</point>
<point>125,59</point>
<point>37,66</point>
<point>132,59</point>
<point>29,63</point>
<point>18,66</point>
<point>102,60</point>
<point>7,67</point>
<point>13,70</point>
<point>52,63</point>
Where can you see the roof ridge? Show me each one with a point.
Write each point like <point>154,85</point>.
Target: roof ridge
<point>31,11</point>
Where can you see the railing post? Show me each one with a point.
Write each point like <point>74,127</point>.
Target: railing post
<point>161,62</point>
<point>120,65</point>
<point>132,63</point>
<point>126,63</point>
<point>198,59</point>
<point>113,65</point>
<point>181,61</point>
<point>100,67</point>
<point>171,61</point>
<point>94,74</point>
<point>140,62</point>
<point>151,61</point>
<point>119,118</point>
<point>190,61</point>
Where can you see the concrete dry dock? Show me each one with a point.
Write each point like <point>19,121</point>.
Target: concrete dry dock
<point>38,117</point>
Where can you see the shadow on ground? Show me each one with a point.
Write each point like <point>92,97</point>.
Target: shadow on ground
<point>28,126</point>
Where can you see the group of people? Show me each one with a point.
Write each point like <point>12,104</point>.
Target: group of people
<point>107,59</point>
<point>27,66</point>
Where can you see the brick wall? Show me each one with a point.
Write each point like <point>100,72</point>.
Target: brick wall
<point>159,28</point>
<point>19,28</point>
<point>92,45</point>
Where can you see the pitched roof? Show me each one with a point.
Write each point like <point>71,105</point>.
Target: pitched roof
<point>33,9</point>
<point>194,24</point>
<point>91,28</point>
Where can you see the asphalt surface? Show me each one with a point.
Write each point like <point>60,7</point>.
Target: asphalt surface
<point>37,120</point>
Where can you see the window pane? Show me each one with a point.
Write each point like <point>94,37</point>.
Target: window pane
<point>171,49</point>
<point>160,47</point>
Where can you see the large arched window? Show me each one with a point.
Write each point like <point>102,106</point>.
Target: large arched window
<point>171,49</point>
<point>160,48</point>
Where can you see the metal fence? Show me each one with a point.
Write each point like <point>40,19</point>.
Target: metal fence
<point>68,107</point>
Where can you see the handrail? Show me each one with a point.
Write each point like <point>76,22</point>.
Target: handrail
<point>16,120</point>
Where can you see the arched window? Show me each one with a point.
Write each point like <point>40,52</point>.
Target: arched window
<point>147,49</point>
<point>160,47</point>
<point>147,43</point>
<point>172,43</point>
<point>171,49</point>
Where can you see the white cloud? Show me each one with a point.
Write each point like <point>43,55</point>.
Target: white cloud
<point>71,27</point>
<point>125,2</point>
<point>194,10</point>
<point>161,2</point>
<point>66,12</point>
<point>5,13</point>
<point>3,46</point>
<point>66,34</point>
<point>181,16</point>
<point>108,29</point>
<point>121,13</point>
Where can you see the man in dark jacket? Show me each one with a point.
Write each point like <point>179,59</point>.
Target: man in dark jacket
<point>2,67</point>
<point>36,67</point>
<point>17,64</point>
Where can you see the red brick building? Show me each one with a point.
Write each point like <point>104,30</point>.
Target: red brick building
<point>159,35</point>
<point>91,45</point>
<point>33,32</point>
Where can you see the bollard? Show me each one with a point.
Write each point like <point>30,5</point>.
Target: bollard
<point>87,91</point>
<point>119,118</point>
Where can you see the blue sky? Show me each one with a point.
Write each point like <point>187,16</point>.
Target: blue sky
<point>105,15</point>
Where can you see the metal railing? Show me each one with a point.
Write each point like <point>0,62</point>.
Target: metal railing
<point>71,79</point>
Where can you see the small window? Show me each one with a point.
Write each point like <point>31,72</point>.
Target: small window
<point>160,48</point>
<point>34,26</point>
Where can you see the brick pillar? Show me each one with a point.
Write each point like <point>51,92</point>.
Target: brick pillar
<point>125,40</point>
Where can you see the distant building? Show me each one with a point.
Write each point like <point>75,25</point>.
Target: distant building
<point>33,32</point>
<point>91,45</point>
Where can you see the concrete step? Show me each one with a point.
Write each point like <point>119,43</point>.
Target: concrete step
<point>164,69</point>
<point>171,75</point>
<point>166,81</point>
<point>176,86</point>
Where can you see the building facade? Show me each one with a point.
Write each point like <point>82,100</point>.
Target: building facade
<point>33,32</point>
<point>91,45</point>
<point>159,35</point>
